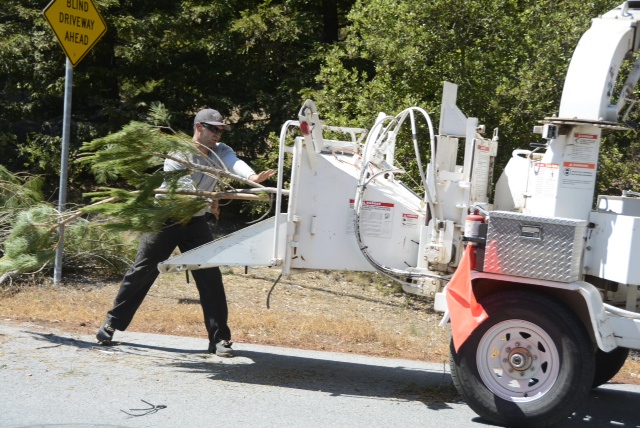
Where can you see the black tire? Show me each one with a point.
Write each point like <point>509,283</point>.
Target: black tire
<point>545,346</point>
<point>608,364</point>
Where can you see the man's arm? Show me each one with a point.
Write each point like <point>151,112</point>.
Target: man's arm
<point>238,166</point>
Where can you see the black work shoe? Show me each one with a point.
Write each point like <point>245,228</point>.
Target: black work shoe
<point>221,349</point>
<point>105,334</point>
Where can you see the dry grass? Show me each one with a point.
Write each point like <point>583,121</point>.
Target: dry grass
<point>333,311</point>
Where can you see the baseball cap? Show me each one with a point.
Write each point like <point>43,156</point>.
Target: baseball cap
<point>212,117</point>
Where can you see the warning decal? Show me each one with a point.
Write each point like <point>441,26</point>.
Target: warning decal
<point>409,220</point>
<point>375,219</point>
<point>583,148</point>
<point>546,179</point>
<point>481,170</point>
<point>580,165</point>
<point>579,175</point>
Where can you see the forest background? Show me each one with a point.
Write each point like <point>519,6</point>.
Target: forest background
<point>257,61</point>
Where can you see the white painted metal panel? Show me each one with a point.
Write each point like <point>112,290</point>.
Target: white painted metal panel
<point>251,246</point>
<point>627,332</point>
<point>593,70</point>
<point>611,247</point>
<point>619,205</point>
<point>325,239</point>
<point>562,183</point>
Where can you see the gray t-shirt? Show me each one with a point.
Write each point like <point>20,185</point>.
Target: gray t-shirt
<point>201,181</point>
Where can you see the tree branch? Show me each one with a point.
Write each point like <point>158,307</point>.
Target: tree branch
<point>216,172</point>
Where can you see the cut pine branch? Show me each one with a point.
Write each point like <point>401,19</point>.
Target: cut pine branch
<point>211,171</point>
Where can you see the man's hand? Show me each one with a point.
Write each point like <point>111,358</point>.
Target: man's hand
<point>264,175</point>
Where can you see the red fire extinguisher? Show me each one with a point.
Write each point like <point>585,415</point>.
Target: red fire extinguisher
<point>472,231</point>
<point>472,225</point>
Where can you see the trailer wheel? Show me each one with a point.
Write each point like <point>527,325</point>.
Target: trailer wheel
<point>531,363</point>
<point>608,364</point>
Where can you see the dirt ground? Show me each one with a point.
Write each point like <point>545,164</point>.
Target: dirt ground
<point>333,311</point>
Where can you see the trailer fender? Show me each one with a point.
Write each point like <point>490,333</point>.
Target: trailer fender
<point>580,297</point>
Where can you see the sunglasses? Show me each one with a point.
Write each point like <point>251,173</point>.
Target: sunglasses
<point>212,128</point>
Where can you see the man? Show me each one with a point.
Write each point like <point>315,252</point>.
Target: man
<point>154,248</point>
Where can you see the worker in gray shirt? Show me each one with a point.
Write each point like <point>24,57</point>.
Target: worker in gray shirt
<point>154,248</point>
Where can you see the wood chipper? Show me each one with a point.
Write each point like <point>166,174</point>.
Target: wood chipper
<point>536,276</point>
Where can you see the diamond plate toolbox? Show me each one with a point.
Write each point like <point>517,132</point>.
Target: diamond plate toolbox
<point>534,247</point>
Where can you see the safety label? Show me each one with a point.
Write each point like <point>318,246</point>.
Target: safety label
<point>579,175</point>
<point>546,179</point>
<point>582,148</point>
<point>409,220</point>
<point>376,219</point>
<point>481,169</point>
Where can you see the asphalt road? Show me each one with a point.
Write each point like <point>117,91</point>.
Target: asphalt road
<point>53,379</point>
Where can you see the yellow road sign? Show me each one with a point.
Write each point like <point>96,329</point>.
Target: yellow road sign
<point>77,25</point>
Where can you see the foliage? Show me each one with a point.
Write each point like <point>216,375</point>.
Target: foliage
<point>31,245</point>
<point>132,156</point>
<point>17,193</point>
<point>29,234</point>
<point>90,245</point>
<point>131,211</point>
<point>247,58</point>
<point>619,167</point>
<point>31,87</point>
<point>135,155</point>
<point>255,61</point>
<point>131,152</point>
<point>508,57</point>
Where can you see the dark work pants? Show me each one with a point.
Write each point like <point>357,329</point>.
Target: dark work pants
<point>157,247</point>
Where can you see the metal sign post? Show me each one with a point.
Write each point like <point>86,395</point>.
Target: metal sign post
<point>78,26</point>
<point>64,164</point>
